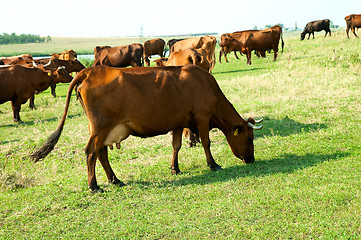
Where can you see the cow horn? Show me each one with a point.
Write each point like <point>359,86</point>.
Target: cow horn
<point>47,63</point>
<point>61,67</point>
<point>259,121</point>
<point>34,64</point>
<point>254,127</point>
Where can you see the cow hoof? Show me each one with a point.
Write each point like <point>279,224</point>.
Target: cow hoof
<point>99,190</point>
<point>216,168</point>
<point>176,172</point>
<point>118,183</point>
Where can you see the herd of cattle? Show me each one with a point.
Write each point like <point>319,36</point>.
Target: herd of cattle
<point>148,101</point>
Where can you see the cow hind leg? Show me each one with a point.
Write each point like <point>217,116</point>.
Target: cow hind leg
<point>204,135</point>
<point>53,86</point>
<point>177,143</point>
<point>32,102</point>
<point>103,158</point>
<point>92,152</point>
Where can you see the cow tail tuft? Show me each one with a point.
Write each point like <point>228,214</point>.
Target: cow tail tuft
<point>54,137</point>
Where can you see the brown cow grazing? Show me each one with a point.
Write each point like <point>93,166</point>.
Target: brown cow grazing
<point>152,47</point>
<point>65,55</point>
<point>151,101</point>
<point>316,26</point>
<point>353,21</point>
<point>188,56</point>
<point>121,56</point>
<point>19,83</point>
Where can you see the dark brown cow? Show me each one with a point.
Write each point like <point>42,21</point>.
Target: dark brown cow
<point>260,41</point>
<point>152,47</point>
<point>316,26</point>
<point>19,83</point>
<point>121,56</point>
<point>151,101</point>
<point>189,56</point>
<point>353,21</point>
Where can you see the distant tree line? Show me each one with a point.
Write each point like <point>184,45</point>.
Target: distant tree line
<point>22,38</point>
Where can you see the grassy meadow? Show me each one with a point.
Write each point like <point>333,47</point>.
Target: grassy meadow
<point>305,183</point>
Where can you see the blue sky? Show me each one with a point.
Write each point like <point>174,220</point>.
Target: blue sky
<point>125,18</point>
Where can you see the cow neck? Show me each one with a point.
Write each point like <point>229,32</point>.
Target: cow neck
<point>227,117</point>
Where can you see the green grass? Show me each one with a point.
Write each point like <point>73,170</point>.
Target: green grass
<point>305,182</point>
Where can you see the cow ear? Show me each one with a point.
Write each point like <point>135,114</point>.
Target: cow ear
<point>237,129</point>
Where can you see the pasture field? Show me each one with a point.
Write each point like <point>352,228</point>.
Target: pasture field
<point>305,183</point>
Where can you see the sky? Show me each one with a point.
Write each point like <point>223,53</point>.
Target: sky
<point>108,18</point>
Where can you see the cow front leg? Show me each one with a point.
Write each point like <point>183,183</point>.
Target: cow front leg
<point>103,158</point>
<point>177,143</point>
<point>249,54</point>
<point>204,135</point>
<point>347,31</point>
<point>16,111</point>
<point>53,86</point>
<point>220,56</point>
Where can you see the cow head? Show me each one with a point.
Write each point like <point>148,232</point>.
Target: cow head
<point>240,138</point>
<point>303,34</point>
<point>60,75</point>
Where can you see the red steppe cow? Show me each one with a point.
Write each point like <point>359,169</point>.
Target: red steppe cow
<point>150,101</point>
<point>19,83</point>
<point>152,47</point>
<point>121,56</point>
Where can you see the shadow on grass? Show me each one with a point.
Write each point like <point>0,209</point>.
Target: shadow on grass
<point>30,123</point>
<point>284,164</point>
<point>237,71</point>
<point>285,127</point>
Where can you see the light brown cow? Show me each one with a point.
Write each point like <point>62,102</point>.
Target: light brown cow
<point>19,83</point>
<point>24,58</point>
<point>65,55</point>
<point>150,101</point>
<point>188,56</point>
<point>152,47</point>
<point>353,22</point>
<point>208,43</point>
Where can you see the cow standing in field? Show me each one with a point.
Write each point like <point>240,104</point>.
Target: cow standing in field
<point>353,22</point>
<point>151,101</point>
<point>316,26</point>
<point>259,41</point>
<point>151,47</point>
<point>121,56</point>
<point>19,83</point>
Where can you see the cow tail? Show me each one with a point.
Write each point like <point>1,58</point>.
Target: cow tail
<point>282,42</point>
<point>54,137</point>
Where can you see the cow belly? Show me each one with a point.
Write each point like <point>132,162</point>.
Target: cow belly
<point>117,134</point>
